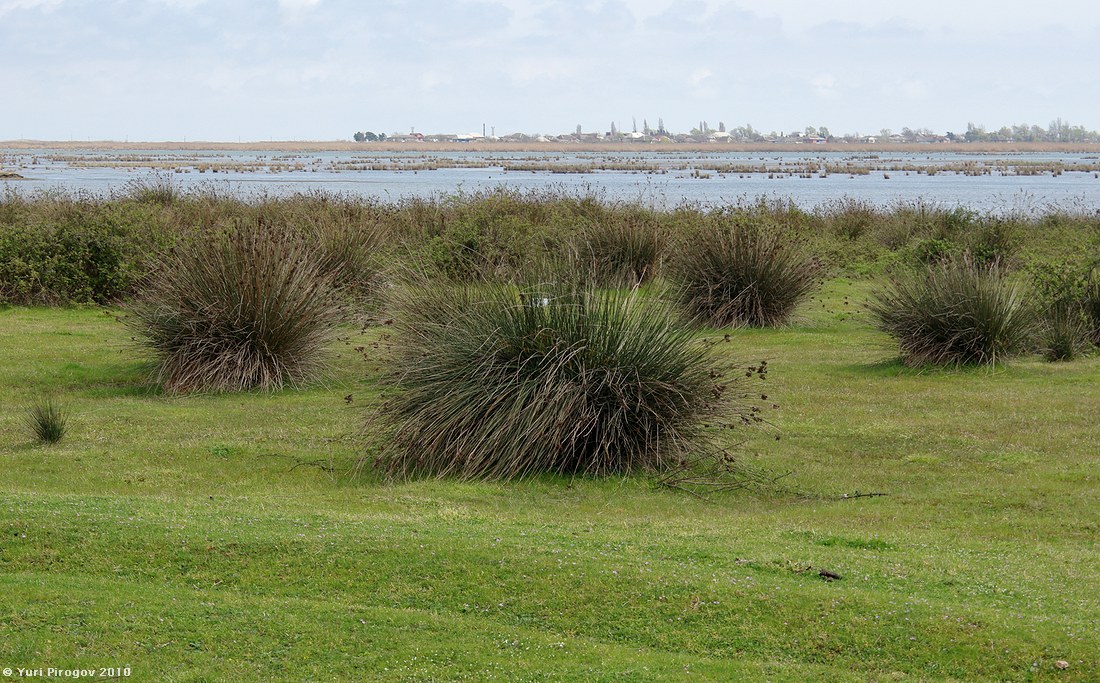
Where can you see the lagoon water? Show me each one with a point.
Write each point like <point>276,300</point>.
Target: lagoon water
<point>1002,183</point>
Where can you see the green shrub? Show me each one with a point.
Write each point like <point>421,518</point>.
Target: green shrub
<point>47,420</point>
<point>1062,292</point>
<point>479,249</point>
<point>933,250</point>
<point>251,309</point>
<point>953,313</point>
<point>733,271</point>
<point>1057,282</point>
<point>72,251</point>
<point>501,382</point>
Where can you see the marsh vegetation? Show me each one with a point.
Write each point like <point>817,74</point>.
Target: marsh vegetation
<point>915,508</point>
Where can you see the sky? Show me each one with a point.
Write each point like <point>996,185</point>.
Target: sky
<point>228,70</point>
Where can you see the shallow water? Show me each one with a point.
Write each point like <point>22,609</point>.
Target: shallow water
<point>1023,182</point>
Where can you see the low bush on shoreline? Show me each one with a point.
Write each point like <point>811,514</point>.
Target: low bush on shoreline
<point>1091,304</point>
<point>59,250</point>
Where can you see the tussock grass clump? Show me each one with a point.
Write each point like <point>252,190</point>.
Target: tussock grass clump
<point>622,250</point>
<point>1064,332</point>
<point>158,188</point>
<point>500,382</point>
<point>848,218</point>
<point>1066,292</point>
<point>1091,304</point>
<point>47,420</point>
<point>954,312</point>
<point>356,255</point>
<point>251,309</point>
<point>742,273</point>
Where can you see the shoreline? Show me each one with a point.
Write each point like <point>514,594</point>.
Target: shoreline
<point>554,147</point>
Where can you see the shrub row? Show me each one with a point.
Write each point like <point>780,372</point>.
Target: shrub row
<point>57,248</point>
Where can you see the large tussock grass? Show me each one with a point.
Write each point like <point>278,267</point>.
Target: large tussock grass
<point>500,382</point>
<point>955,312</point>
<point>735,272</point>
<point>252,309</point>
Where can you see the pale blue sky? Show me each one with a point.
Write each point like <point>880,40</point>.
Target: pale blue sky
<point>322,69</point>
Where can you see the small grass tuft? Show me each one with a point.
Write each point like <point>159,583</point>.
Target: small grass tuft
<point>47,420</point>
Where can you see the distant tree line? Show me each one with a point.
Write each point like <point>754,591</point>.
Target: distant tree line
<point>1057,131</point>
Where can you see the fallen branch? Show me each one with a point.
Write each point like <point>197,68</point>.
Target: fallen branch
<point>860,494</point>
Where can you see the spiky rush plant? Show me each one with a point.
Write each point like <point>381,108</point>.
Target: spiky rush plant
<point>621,250</point>
<point>741,273</point>
<point>1064,331</point>
<point>46,419</point>
<point>249,310</point>
<point>499,382</point>
<point>955,312</point>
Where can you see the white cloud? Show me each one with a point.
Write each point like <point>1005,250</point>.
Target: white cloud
<point>7,6</point>
<point>984,17</point>
<point>294,10</point>
<point>430,80</point>
<point>913,90</point>
<point>826,86</point>
<point>181,4</point>
<point>541,68</point>
<point>699,76</point>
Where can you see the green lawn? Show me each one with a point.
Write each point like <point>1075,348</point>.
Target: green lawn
<point>218,537</point>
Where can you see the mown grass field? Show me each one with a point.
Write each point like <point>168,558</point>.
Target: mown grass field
<point>217,537</point>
